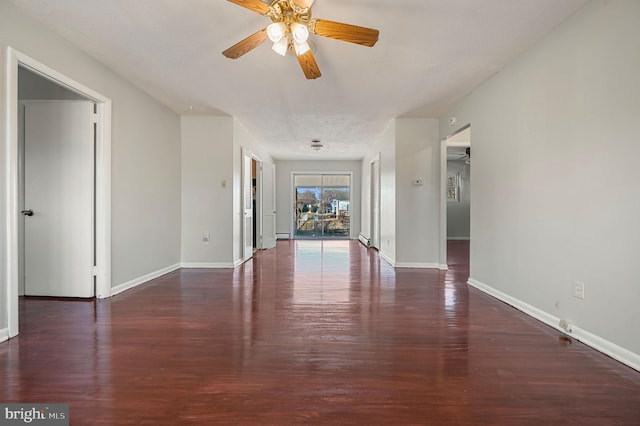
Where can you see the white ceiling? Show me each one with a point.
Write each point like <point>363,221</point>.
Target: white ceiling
<point>431,54</point>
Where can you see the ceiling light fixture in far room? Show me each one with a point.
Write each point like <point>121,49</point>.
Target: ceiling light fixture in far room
<point>316,145</point>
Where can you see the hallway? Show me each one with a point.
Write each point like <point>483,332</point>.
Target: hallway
<point>319,332</point>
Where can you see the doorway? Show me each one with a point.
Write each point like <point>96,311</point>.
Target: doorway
<point>457,198</point>
<point>258,204</point>
<point>100,251</point>
<point>322,207</point>
<point>57,197</point>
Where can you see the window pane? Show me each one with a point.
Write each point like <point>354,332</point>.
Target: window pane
<point>323,206</point>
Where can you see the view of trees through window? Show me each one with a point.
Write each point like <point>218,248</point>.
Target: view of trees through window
<point>323,206</point>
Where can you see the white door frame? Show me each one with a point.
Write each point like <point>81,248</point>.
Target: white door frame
<point>248,153</point>
<point>261,206</point>
<point>9,142</point>
<point>373,209</point>
<point>443,194</point>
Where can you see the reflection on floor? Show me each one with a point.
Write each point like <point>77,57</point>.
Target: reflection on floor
<point>319,332</point>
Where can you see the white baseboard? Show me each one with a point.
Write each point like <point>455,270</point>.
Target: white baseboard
<point>141,280</point>
<point>386,258</point>
<point>4,334</point>
<point>366,241</point>
<point>459,238</point>
<point>616,352</point>
<point>443,267</point>
<point>207,265</point>
<point>417,265</point>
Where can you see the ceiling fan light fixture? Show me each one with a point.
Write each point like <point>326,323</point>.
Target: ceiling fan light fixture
<point>281,46</point>
<point>301,48</point>
<point>276,31</point>
<point>291,27</point>
<point>299,32</point>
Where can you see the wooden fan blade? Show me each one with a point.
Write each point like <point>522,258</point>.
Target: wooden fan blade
<point>246,45</point>
<point>344,32</point>
<point>309,65</point>
<point>304,3</point>
<point>255,5</point>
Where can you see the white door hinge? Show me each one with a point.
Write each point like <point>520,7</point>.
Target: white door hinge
<point>94,271</point>
<point>94,118</point>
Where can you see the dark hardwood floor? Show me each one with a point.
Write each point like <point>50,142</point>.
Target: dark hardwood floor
<point>312,332</point>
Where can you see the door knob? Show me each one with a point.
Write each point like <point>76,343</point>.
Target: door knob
<point>27,212</point>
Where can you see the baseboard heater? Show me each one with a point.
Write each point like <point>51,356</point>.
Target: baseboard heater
<point>283,236</point>
<point>364,240</point>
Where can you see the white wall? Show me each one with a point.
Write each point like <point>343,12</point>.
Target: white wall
<point>145,152</point>
<point>284,190</point>
<point>563,204</point>
<point>458,211</point>
<point>207,150</point>
<point>409,215</point>
<point>385,149</point>
<point>417,207</point>
<point>211,154</point>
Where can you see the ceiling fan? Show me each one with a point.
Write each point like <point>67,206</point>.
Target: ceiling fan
<point>290,28</point>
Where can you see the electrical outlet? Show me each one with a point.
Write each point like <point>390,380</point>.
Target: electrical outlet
<point>578,289</point>
<point>223,184</point>
<point>206,237</point>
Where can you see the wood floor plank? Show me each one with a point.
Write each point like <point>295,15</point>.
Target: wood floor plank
<point>319,332</point>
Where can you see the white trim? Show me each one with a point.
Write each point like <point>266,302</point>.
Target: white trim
<point>373,218</point>
<point>10,145</point>
<point>366,241</point>
<point>442,222</point>
<point>283,236</point>
<point>386,258</point>
<point>616,352</point>
<point>443,267</point>
<point>4,335</point>
<point>598,343</point>
<point>13,59</point>
<point>144,279</point>
<point>246,152</point>
<point>458,238</point>
<point>417,265</point>
<point>103,201</point>
<point>207,265</point>
<point>442,243</point>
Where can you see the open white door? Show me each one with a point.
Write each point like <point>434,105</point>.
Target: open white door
<point>59,188</point>
<point>247,205</point>
<point>268,205</point>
